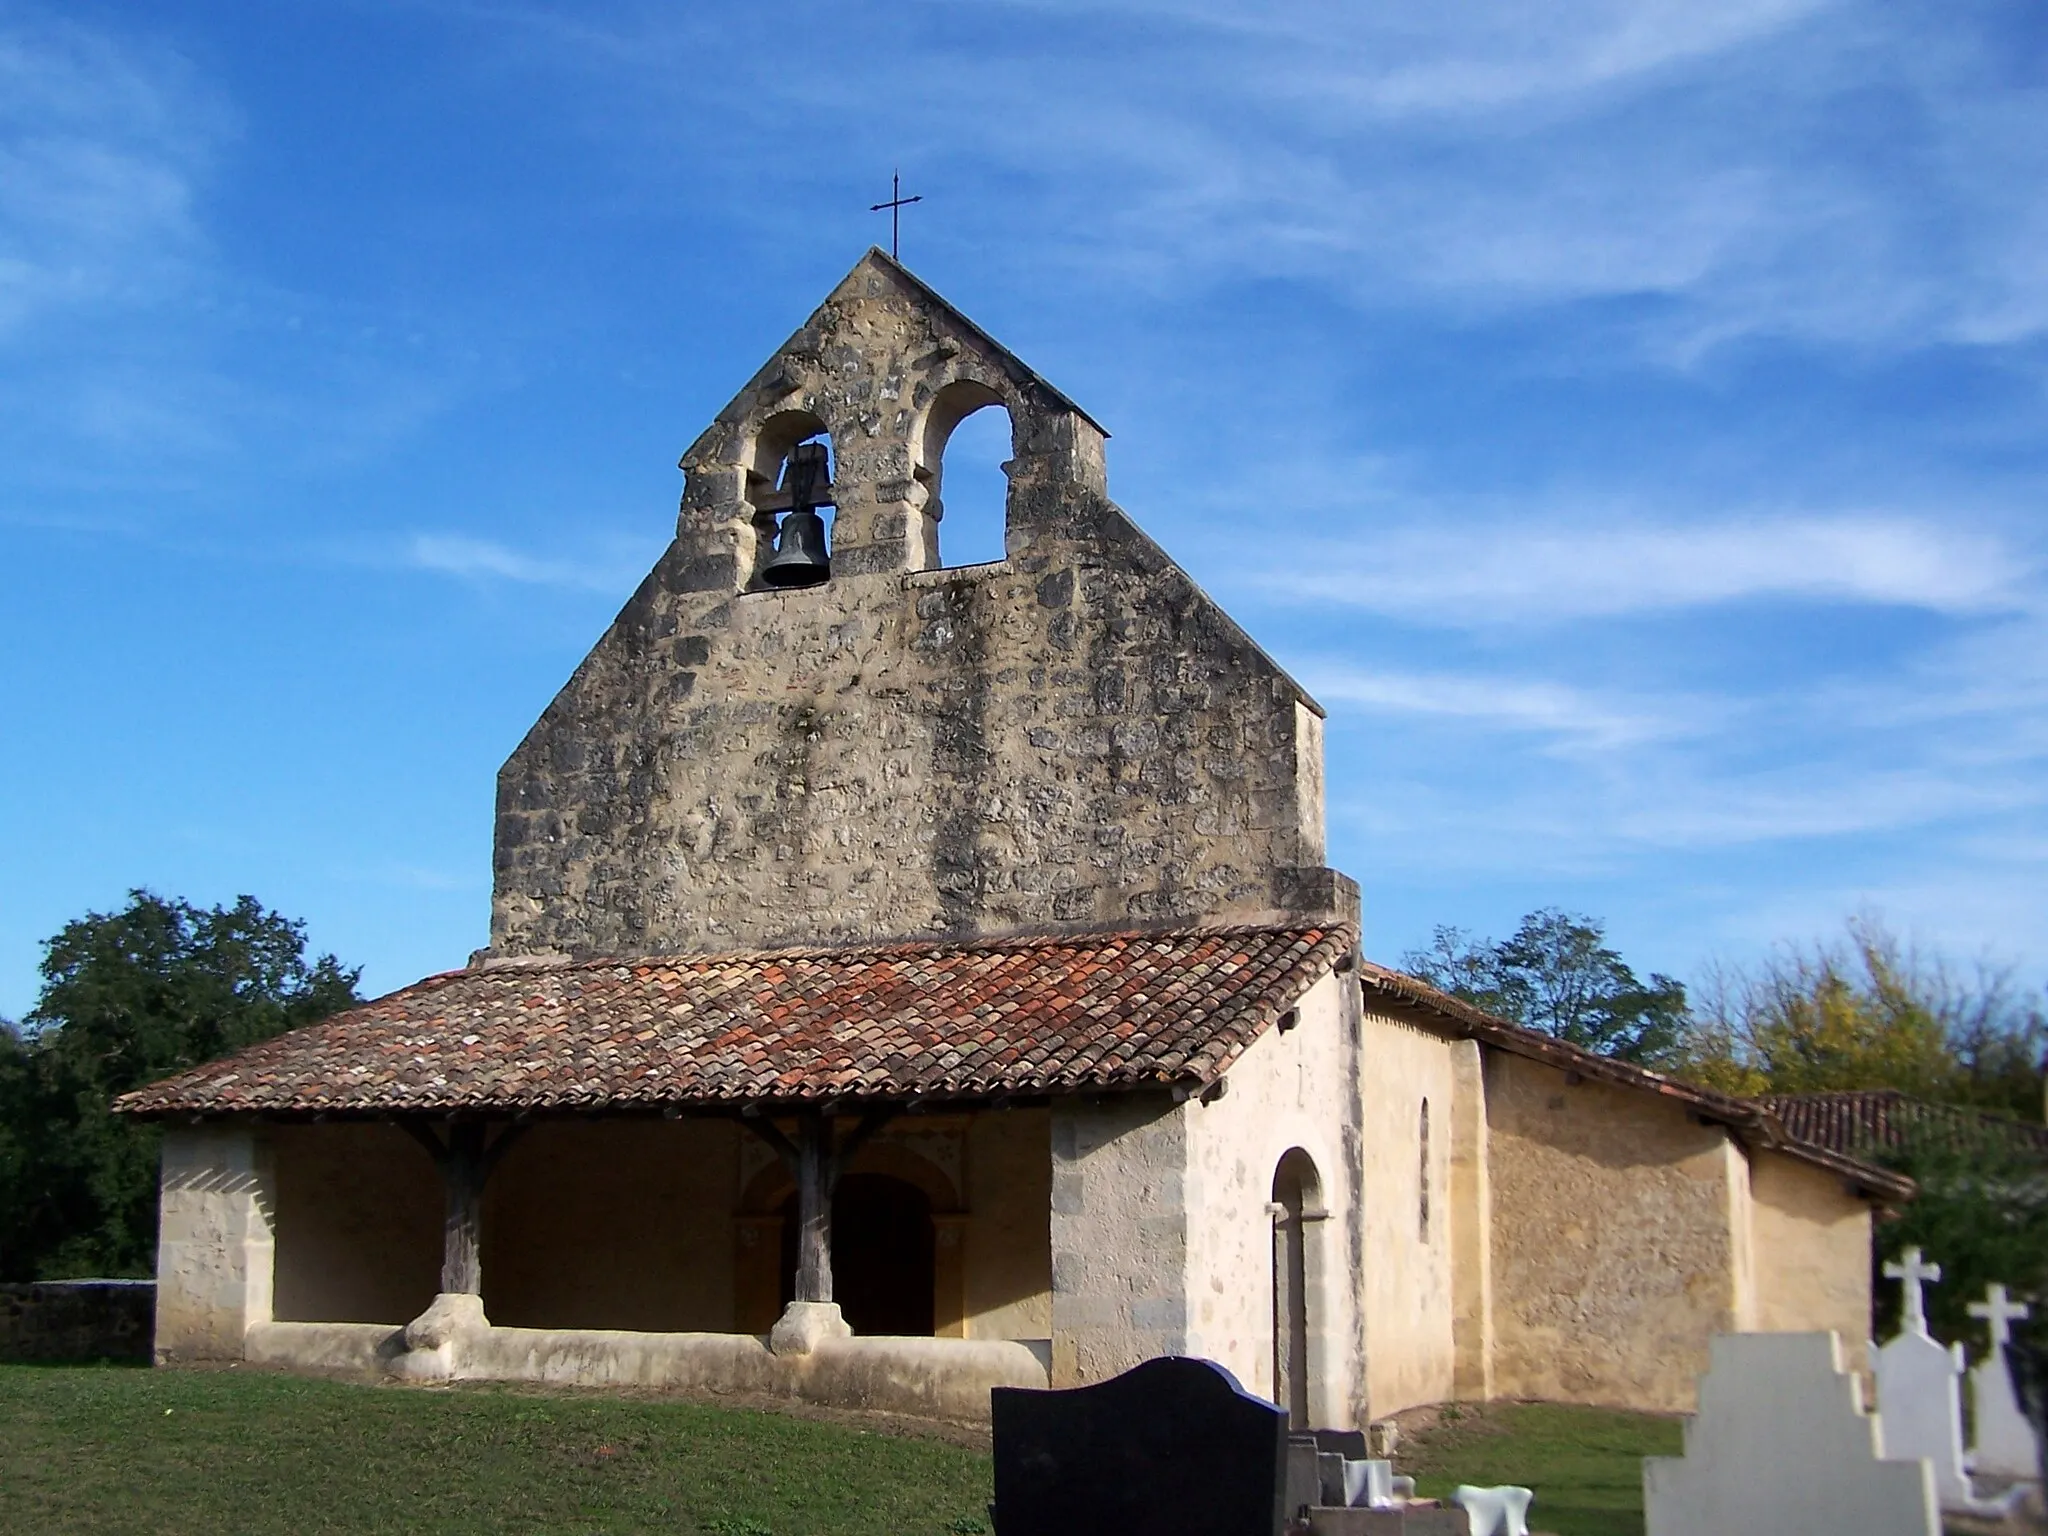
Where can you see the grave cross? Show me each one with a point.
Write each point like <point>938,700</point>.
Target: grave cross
<point>1910,1273</point>
<point>2000,1313</point>
<point>896,204</point>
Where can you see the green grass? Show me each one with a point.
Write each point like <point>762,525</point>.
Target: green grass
<point>1586,1464</point>
<point>117,1450</point>
<point>107,1449</point>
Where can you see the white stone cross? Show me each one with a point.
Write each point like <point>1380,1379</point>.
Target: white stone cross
<point>2000,1313</point>
<point>1909,1274</point>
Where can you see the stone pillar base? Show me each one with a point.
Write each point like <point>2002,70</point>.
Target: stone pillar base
<point>434,1339</point>
<point>805,1325</point>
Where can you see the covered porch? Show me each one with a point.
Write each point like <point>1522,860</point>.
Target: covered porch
<point>883,1180</point>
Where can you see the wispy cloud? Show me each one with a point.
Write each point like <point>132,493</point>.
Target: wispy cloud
<point>101,147</point>
<point>1462,575</point>
<point>475,559</point>
<point>1720,159</point>
<point>1570,717</point>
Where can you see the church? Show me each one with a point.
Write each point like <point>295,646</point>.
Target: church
<point>906,979</point>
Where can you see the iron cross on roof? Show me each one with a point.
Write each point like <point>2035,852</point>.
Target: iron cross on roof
<point>896,204</point>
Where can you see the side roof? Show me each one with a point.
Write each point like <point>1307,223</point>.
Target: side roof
<point>1861,1121</point>
<point>1752,1122</point>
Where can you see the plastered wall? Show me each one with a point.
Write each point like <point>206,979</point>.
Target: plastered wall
<point>1615,1242</point>
<point>1292,1089</point>
<point>358,1224</point>
<point>1074,736</point>
<point>614,1224</point>
<point>1404,1282</point>
<point>1008,1233</point>
<point>1812,1241</point>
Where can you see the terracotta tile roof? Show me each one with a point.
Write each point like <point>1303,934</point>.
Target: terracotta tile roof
<point>1865,1121</point>
<point>948,1021</point>
<point>1751,1121</point>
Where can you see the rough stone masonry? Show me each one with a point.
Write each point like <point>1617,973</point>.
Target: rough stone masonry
<point>1072,737</point>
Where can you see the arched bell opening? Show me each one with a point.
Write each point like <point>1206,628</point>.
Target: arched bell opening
<point>963,463</point>
<point>790,495</point>
<point>1298,1216</point>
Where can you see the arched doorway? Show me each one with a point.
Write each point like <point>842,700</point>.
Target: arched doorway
<point>1297,1209</point>
<point>883,1255</point>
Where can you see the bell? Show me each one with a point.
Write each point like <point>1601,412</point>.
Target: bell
<point>800,559</point>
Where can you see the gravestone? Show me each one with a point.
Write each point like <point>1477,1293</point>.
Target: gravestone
<point>2003,1444</point>
<point>1173,1447</point>
<point>1781,1446</point>
<point>1919,1397</point>
<point>2029,1362</point>
<point>1502,1511</point>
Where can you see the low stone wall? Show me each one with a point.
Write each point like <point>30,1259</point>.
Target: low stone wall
<point>53,1320</point>
<point>923,1378</point>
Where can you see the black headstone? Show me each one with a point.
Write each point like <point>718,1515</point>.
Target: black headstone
<point>1173,1447</point>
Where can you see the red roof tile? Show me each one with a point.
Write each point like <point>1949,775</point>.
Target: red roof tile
<point>1864,1121</point>
<point>948,1021</point>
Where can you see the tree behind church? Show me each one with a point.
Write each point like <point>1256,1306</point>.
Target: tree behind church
<point>129,997</point>
<point>1558,976</point>
<point>1870,1012</point>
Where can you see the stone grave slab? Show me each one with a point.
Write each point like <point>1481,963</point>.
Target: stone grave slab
<point>1919,1397</point>
<point>1173,1447</point>
<point>2003,1442</point>
<point>1782,1446</point>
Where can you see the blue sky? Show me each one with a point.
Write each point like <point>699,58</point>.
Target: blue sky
<point>1626,415</point>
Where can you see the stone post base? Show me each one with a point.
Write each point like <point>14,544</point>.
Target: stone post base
<point>800,1330</point>
<point>434,1339</point>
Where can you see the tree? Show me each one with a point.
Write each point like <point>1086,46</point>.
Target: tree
<point>1557,975</point>
<point>1869,1013</point>
<point>129,997</point>
<point>1982,1214</point>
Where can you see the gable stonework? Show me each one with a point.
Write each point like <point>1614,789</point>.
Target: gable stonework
<point>1075,736</point>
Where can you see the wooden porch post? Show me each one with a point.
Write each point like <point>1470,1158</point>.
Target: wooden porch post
<point>814,1160</point>
<point>465,1161</point>
<point>815,1176</point>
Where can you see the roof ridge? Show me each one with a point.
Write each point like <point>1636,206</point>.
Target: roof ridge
<point>1084,938</point>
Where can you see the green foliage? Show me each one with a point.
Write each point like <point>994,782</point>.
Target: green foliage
<point>1868,1013</point>
<point>1557,975</point>
<point>1982,1214</point>
<point>129,997</point>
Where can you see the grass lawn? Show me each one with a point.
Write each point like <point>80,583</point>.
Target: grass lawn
<point>1584,1463</point>
<point>107,1449</point>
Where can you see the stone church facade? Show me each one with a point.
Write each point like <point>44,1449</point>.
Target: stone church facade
<point>927,978</point>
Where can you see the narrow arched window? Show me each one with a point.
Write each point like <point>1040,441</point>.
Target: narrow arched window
<point>1422,1182</point>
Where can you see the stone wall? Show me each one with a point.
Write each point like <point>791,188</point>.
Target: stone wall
<point>54,1320</point>
<point>1075,736</point>
<point>1812,1239</point>
<point>1615,1250</point>
<point>1119,1234</point>
<point>216,1211</point>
